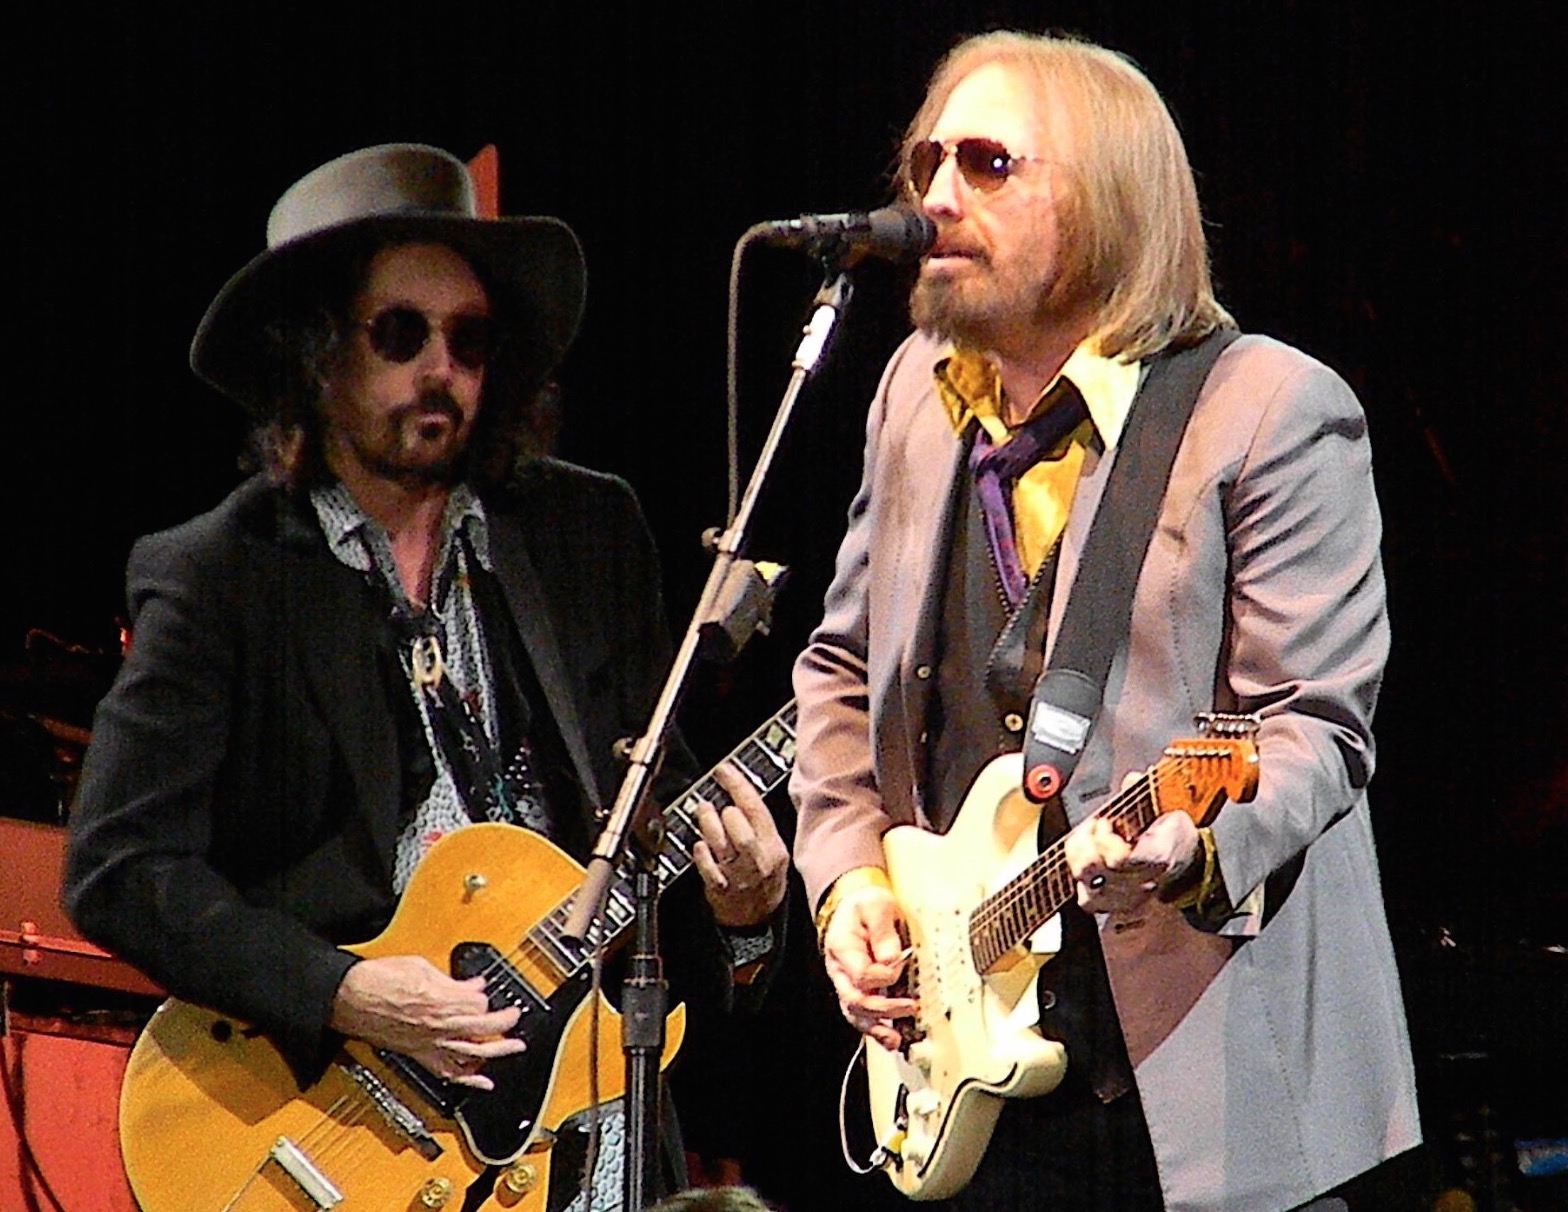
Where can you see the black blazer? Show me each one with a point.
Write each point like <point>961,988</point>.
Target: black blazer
<point>238,807</point>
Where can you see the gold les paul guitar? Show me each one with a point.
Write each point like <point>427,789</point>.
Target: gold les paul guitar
<point>212,1120</point>
<point>972,899</point>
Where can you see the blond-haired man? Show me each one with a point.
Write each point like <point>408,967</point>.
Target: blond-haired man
<point>1227,996</point>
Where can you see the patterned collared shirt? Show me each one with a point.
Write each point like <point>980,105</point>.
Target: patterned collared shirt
<point>361,543</point>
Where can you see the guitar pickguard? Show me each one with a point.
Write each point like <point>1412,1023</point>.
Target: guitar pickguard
<point>497,1123</point>
<point>973,1041</point>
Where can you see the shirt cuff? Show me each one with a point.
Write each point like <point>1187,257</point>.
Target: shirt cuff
<point>852,880</point>
<point>1204,898</point>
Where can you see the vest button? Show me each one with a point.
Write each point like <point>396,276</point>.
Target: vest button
<point>923,672</point>
<point>1013,722</point>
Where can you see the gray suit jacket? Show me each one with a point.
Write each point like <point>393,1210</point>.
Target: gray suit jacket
<point>1289,1071</point>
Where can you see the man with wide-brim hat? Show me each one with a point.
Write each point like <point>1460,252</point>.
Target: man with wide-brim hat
<point>271,326</point>
<point>388,633</point>
<point>532,266</point>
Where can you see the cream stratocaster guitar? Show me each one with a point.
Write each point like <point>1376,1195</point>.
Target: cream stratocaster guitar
<point>972,899</point>
<point>211,1118</point>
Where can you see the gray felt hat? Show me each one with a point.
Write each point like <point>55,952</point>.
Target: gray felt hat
<point>401,192</point>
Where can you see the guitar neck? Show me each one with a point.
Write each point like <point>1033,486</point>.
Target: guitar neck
<point>1036,894</point>
<point>765,758</point>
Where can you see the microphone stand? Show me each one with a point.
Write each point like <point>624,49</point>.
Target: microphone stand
<point>644,996</point>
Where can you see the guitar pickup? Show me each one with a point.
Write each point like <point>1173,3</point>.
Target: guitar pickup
<point>504,984</point>
<point>909,1029</point>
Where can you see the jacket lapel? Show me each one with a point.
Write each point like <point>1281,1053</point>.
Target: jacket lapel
<point>922,544</point>
<point>340,648</point>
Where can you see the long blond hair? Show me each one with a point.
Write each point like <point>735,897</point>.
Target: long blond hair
<point>1133,250</point>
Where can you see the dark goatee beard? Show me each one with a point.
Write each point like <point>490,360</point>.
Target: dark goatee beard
<point>435,400</point>
<point>444,472</point>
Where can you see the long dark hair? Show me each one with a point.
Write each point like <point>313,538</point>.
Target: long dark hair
<point>306,346</point>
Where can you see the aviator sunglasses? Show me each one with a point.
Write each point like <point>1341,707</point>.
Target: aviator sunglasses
<point>984,163</point>
<point>398,333</point>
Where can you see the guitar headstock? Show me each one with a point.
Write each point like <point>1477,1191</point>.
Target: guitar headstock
<point>1222,761</point>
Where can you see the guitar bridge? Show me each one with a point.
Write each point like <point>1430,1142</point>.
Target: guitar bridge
<point>395,1111</point>
<point>318,1188</point>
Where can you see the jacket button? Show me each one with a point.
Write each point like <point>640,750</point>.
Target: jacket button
<point>923,672</point>
<point>1048,999</point>
<point>1013,722</point>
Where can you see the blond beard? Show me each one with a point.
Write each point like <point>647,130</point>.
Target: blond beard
<point>977,317</point>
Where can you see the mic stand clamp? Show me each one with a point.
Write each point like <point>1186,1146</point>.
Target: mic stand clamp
<point>744,606</point>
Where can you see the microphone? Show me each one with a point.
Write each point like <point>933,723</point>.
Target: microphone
<point>894,233</point>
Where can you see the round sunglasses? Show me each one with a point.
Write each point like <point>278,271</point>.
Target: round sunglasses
<point>984,164</point>
<point>398,333</point>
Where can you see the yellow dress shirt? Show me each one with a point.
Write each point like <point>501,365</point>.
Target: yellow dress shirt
<point>971,390</point>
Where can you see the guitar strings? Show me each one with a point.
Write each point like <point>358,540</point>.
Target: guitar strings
<point>323,1144</point>
<point>1136,801</point>
<point>547,939</point>
<point>546,942</point>
<point>1020,892</point>
<point>1014,912</point>
<point>343,1142</point>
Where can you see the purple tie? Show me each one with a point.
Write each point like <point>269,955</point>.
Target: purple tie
<point>996,469</point>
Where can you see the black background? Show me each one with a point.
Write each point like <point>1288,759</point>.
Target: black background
<point>1384,186</point>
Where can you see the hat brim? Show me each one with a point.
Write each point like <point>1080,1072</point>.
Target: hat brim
<point>532,265</point>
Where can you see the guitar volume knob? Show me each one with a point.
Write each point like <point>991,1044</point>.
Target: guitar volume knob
<point>520,1178</point>
<point>924,1102</point>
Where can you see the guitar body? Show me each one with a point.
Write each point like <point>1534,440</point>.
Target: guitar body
<point>933,1106</point>
<point>974,903</point>
<point>211,1117</point>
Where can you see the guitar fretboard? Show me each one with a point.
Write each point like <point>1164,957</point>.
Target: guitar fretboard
<point>765,758</point>
<point>1190,775</point>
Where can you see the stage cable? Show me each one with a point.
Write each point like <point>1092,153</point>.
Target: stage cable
<point>32,1174</point>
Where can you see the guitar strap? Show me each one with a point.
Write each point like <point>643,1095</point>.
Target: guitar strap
<point>1098,615</point>
<point>490,787</point>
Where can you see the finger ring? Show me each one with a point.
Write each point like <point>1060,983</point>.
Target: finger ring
<point>1097,882</point>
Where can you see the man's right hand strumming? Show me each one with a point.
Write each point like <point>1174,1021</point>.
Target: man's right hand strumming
<point>863,948</point>
<point>405,1003</point>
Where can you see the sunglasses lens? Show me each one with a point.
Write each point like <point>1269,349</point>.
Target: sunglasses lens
<point>985,163</point>
<point>472,341</point>
<point>924,159</point>
<point>398,333</point>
